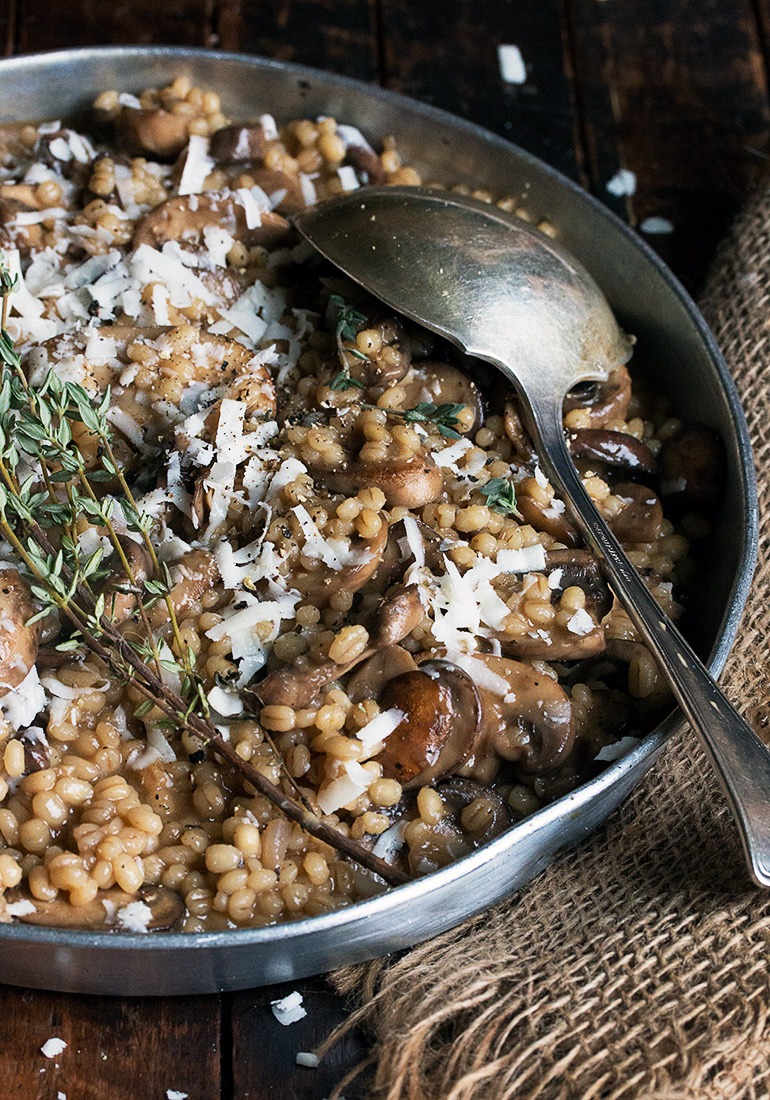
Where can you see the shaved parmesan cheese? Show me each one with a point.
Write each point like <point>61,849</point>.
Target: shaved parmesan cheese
<point>289,1009</point>
<point>21,705</point>
<point>414,539</point>
<point>581,623</point>
<point>480,673</point>
<point>448,456</point>
<point>269,128</point>
<point>53,1047</point>
<point>224,702</point>
<point>554,579</point>
<point>251,207</point>
<point>198,164</point>
<point>530,559</point>
<point>309,196</point>
<point>349,786</point>
<point>348,178</point>
<point>618,749</point>
<point>134,917</point>
<point>378,728</point>
<point>389,843</point>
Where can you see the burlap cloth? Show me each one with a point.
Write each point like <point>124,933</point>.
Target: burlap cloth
<point>637,964</point>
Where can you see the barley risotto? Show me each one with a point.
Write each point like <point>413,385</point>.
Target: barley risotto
<point>289,610</point>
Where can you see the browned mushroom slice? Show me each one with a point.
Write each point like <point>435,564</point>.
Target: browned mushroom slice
<point>692,469</point>
<point>364,159</point>
<point>442,715</point>
<point>387,359</point>
<point>19,198</point>
<point>641,517</point>
<point>615,451</point>
<point>184,218</point>
<point>385,664</point>
<point>319,585</point>
<point>580,569</point>
<point>164,909</point>
<point>398,615</point>
<point>152,130</point>
<point>300,684</point>
<point>490,815</point>
<point>410,483</point>
<point>514,429</point>
<point>603,400</point>
<point>440,383</point>
<point>237,144</point>
<point>192,575</point>
<point>547,518</point>
<point>528,720</point>
<point>121,590</point>
<point>580,636</point>
<point>18,641</point>
<point>399,554</point>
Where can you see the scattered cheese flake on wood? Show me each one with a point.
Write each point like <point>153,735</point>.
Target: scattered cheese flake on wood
<point>512,68</point>
<point>289,1009</point>
<point>174,1094</point>
<point>656,225</point>
<point>53,1047</point>
<point>307,1058</point>
<point>622,183</point>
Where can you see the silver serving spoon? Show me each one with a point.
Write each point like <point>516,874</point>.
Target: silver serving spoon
<point>505,293</point>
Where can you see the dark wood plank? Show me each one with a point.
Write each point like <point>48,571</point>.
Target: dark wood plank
<point>328,34</point>
<point>7,26</point>
<point>264,1063</point>
<point>675,91</point>
<point>44,25</point>
<point>121,1048</point>
<point>446,53</point>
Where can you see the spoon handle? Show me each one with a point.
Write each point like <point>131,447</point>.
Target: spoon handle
<point>741,761</point>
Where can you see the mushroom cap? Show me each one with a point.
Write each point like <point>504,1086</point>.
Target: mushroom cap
<point>442,715</point>
<point>692,469</point>
<point>412,483</point>
<point>615,451</point>
<point>166,907</point>
<point>180,219</point>
<point>18,642</point>
<point>604,400</point>
<point>440,383</point>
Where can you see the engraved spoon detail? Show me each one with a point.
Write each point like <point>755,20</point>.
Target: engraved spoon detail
<point>505,293</point>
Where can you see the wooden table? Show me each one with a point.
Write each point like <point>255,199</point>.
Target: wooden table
<point>675,91</point>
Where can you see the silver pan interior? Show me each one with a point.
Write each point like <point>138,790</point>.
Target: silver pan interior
<point>648,301</point>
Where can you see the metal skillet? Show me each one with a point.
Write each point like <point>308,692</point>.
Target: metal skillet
<point>683,362</point>
<point>505,293</point>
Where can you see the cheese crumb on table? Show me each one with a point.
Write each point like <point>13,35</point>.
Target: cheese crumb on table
<point>306,1058</point>
<point>52,1047</point>
<point>512,68</point>
<point>172,1094</point>
<point>289,1009</point>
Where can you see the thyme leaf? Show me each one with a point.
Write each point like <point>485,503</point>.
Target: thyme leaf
<point>500,495</point>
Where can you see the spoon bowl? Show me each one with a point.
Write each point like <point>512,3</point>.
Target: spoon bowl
<point>506,293</point>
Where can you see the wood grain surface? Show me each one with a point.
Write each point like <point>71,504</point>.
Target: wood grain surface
<point>675,91</point>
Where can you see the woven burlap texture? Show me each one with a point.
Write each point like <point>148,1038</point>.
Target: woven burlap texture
<point>637,965</point>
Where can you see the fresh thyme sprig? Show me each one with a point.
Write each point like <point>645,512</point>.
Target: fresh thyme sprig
<point>36,428</point>
<point>444,417</point>
<point>500,496</point>
<point>347,321</point>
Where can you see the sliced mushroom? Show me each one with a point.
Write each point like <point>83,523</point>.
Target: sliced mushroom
<point>19,198</point>
<point>18,641</point>
<point>153,130</point>
<point>320,585</point>
<point>121,591</point>
<point>300,684</point>
<point>514,429</point>
<point>364,159</point>
<point>193,574</point>
<point>410,483</point>
<point>641,517</point>
<point>549,519</point>
<point>615,451</point>
<point>385,664</point>
<point>582,636</point>
<point>399,556</point>
<point>529,721</point>
<point>604,400</point>
<point>580,569</point>
<point>692,469</point>
<point>494,815</point>
<point>184,218</point>
<point>166,908</point>
<point>238,144</point>
<point>398,615</point>
<point>442,715</point>
<point>388,363</point>
<point>442,384</point>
